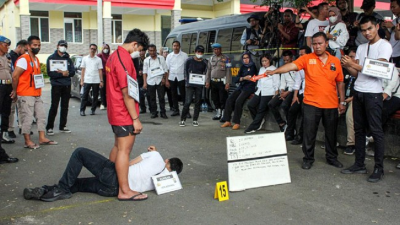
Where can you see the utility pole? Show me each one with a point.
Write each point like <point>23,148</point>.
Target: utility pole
<point>100,23</point>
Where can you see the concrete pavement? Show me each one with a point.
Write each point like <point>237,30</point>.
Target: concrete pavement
<point>319,196</point>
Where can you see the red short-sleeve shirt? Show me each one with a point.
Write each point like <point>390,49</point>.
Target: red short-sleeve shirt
<point>117,112</point>
<point>320,90</point>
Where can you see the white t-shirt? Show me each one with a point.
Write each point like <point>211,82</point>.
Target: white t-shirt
<point>315,26</point>
<point>139,175</point>
<point>395,43</point>
<point>268,85</point>
<point>23,64</point>
<point>176,65</point>
<point>379,50</point>
<point>92,67</point>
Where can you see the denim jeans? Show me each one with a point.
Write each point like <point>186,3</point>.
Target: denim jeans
<point>311,118</point>
<point>105,182</point>
<point>235,103</point>
<point>58,93</point>
<point>190,91</point>
<point>367,113</point>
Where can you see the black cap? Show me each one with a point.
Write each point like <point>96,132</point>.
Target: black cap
<point>367,4</point>
<point>62,43</point>
<point>253,16</point>
<point>199,48</point>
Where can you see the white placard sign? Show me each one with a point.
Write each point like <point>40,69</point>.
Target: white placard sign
<point>378,69</point>
<point>39,80</point>
<point>257,161</point>
<point>199,79</point>
<point>133,88</point>
<point>58,65</point>
<point>165,183</point>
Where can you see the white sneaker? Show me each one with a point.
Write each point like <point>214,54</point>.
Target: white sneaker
<point>262,123</point>
<point>182,123</point>
<point>195,123</point>
<point>65,130</point>
<point>102,107</point>
<point>50,132</point>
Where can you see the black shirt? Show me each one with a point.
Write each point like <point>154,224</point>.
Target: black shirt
<point>194,66</point>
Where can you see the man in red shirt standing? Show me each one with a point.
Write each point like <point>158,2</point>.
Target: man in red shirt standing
<point>123,110</point>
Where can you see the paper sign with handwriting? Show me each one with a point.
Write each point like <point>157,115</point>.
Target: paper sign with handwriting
<point>257,161</point>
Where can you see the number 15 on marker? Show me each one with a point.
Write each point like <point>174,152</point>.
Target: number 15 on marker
<point>221,191</point>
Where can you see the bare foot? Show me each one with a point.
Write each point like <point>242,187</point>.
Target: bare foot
<point>130,194</point>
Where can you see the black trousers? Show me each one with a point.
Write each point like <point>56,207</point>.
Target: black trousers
<point>169,96</point>
<point>293,113</point>
<point>311,117</point>
<point>153,91</point>
<point>85,97</point>
<point>190,91</point>
<point>218,94</point>
<point>390,107</point>
<point>175,84</point>
<point>142,98</point>
<point>258,106</point>
<point>5,109</point>
<point>235,103</point>
<point>367,113</point>
<point>58,93</point>
<point>103,94</point>
<point>275,103</point>
<point>104,182</point>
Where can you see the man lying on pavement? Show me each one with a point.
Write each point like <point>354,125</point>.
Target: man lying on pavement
<point>105,182</point>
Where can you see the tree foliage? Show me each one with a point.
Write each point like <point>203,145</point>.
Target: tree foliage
<point>286,3</point>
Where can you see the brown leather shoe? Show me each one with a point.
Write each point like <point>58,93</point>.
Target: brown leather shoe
<point>226,124</point>
<point>236,127</point>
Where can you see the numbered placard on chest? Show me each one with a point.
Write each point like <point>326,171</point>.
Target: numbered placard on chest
<point>165,183</point>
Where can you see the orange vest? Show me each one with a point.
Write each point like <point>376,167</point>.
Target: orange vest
<point>26,83</point>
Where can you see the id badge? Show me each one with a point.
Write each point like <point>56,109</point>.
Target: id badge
<point>157,71</point>
<point>39,81</point>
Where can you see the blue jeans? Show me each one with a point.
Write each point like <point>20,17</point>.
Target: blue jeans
<point>105,182</point>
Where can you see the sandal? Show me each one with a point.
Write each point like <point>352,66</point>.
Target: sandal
<point>32,146</point>
<point>50,142</point>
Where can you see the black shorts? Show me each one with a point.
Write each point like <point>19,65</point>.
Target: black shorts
<point>123,131</point>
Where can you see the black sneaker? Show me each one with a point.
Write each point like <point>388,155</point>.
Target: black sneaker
<point>33,193</point>
<point>50,132</point>
<point>55,194</point>
<point>349,150</point>
<point>354,169</point>
<point>297,141</point>
<point>11,134</point>
<point>65,130</point>
<point>376,176</point>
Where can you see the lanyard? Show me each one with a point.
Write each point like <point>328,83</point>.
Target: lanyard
<point>368,50</point>
<point>33,65</point>
<point>126,71</point>
<point>331,28</point>
<point>159,62</point>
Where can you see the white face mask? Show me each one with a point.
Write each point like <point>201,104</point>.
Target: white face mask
<point>62,49</point>
<point>135,55</point>
<point>105,51</point>
<point>199,56</point>
<point>333,19</point>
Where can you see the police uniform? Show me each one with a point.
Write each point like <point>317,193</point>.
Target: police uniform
<point>5,99</point>
<point>218,75</point>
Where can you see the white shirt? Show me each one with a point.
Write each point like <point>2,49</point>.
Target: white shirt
<point>176,65</point>
<point>300,82</point>
<point>379,50</point>
<point>391,87</point>
<point>150,65</point>
<point>268,85</point>
<point>288,80</point>
<point>139,174</point>
<point>23,64</point>
<point>92,67</point>
<point>340,32</point>
<point>395,43</point>
<point>315,26</point>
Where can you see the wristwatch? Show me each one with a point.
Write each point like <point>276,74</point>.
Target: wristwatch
<point>343,103</point>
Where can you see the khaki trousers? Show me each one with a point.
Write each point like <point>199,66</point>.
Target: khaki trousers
<point>31,107</point>
<point>350,125</point>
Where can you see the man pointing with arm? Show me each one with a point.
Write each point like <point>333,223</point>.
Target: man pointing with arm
<point>324,76</point>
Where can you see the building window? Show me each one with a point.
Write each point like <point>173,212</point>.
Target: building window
<point>116,29</point>
<point>40,25</point>
<point>73,27</point>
